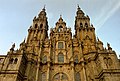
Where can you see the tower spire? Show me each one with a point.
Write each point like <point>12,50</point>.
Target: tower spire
<point>44,8</point>
<point>60,19</point>
<point>42,12</point>
<point>78,6</point>
<point>80,12</point>
<point>60,16</point>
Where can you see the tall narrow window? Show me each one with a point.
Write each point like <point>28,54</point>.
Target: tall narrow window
<point>81,25</point>
<point>11,60</point>
<point>60,58</point>
<point>44,76</point>
<point>77,77</point>
<point>1,60</point>
<point>86,25</point>
<point>60,29</point>
<point>41,25</point>
<point>15,61</point>
<point>76,59</point>
<point>44,59</point>
<point>109,61</point>
<point>60,45</point>
<point>36,25</point>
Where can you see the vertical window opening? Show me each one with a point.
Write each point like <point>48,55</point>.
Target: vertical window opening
<point>76,59</point>
<point>60,58</point>
<point>1,60</point>
<point>44,76</point>
<point>15,60</point>
<point>44,60</point>
<point>60,45</point>
<point>86,25</point>
<point>41,25</point>
<point>81,25</point>
<point>35,25</point>
<point>77,77</point>
<point>11,60</point>
<point>60,29</point>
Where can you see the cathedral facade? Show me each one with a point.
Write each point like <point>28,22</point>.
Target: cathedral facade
<point>60,56</point>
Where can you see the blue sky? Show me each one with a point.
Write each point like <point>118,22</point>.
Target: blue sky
<point>16,17</point>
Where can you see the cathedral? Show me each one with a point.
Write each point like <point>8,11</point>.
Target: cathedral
<point>60,56</point>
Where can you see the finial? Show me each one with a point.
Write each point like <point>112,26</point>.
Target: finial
<point>23,42</point>
<point>78,7</point>
<point>92,25</point>
<point>98,38</point>
<point>13,46</point>
<point>109,47</point>
<point>24,39</point>
<point>44,8</point>
<point>60,16</point>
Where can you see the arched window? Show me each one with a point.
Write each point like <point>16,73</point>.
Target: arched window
<point>81,25</point>
<point>60,45</point>
<point>109,61</point>
<point>60,58</point>
<point>15,61</point>
<point>77,76</point>
<point>1,60</point>
<point>86,25</point>
<point>41,25</point>
<point>44,59</point>
<point>11,60</point>
<point>36,25</point>
<point>76,59</point>
<point>105,60</point>
<point>60,28</point>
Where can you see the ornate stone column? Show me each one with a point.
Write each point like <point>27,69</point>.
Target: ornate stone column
<point>73,71</point>
<point>38,62</point>
<point>48,71</point>
<point>84,72</point>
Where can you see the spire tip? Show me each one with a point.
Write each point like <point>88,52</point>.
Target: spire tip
<point>78,6</point>
<point>44,7</point>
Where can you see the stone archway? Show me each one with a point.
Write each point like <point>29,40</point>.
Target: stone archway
<point>60,77</point>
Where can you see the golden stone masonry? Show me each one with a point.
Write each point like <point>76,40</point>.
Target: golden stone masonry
<point>60,56</point>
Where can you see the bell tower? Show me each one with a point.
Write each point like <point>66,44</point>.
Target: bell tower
<point>39,28</point>
<point>84,31</point>
<point>83,28</point>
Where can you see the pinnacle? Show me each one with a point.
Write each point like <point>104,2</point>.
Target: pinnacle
<point>60,19</point>
<point>60,16</point>
<point>44,8</point>
<point>78,7</point>
<point>79,12</point>
<point>43,11</point>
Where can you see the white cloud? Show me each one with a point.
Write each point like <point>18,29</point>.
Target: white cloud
<point>107,12</point>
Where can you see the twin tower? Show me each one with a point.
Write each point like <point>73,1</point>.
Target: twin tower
<point>60,57</point>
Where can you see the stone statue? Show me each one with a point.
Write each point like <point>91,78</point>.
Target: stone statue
<point>109,47</point>
<point>13,46</point>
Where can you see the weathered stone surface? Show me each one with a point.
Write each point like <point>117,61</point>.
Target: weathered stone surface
<point>60,57</point>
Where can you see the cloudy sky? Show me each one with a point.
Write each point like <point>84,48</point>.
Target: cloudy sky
<point>16,16</point>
